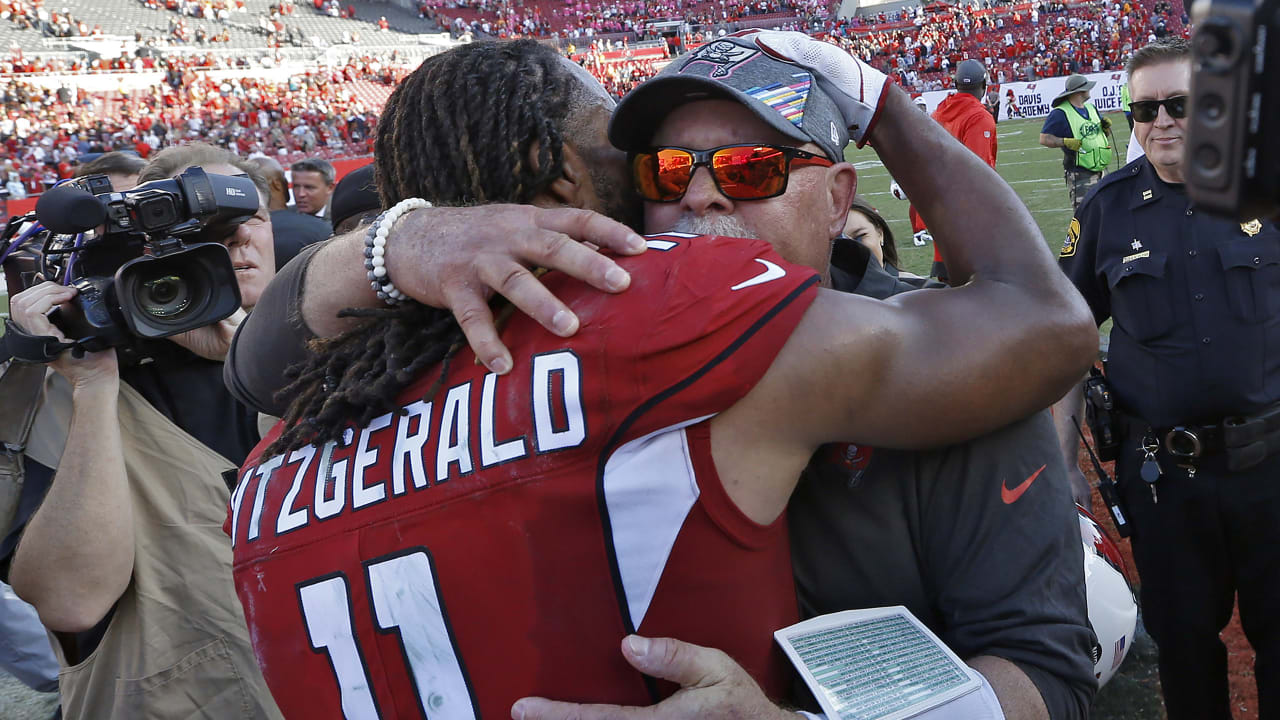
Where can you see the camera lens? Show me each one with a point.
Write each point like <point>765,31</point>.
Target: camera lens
<point>155,213</point>
<point>164,297</point>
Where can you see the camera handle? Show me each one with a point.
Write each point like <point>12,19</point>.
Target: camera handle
<point>18,345</point>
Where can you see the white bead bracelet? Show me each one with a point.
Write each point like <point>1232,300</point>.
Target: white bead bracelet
<point>375,250</point>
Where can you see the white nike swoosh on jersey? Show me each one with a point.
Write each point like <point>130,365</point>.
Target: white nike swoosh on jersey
<point>771,272</point>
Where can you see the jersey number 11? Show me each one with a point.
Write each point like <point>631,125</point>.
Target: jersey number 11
<point>405,601</point>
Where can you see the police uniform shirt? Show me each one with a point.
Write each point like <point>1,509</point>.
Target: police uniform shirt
<point>1195,299</point>
<point>1058,125</point>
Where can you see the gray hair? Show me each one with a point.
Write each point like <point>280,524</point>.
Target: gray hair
<point>316,165</point>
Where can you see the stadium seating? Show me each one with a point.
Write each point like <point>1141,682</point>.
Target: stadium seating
<point>125,18</point>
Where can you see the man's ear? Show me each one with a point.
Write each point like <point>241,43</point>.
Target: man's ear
<point>842,185</point>
<point>573,188</point>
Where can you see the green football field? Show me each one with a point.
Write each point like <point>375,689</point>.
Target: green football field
<point>1034,171</point>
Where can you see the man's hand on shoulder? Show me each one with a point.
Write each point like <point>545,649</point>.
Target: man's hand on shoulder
<point>457,258</point>
<point>712,686</point>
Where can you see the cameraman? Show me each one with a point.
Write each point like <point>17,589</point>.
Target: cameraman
<point>125,559</point>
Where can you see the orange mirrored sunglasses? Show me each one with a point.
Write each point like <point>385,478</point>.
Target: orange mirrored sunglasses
<point>740,172</point>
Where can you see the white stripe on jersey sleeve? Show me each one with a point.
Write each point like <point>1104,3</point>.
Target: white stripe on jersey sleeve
<point>649,488</point>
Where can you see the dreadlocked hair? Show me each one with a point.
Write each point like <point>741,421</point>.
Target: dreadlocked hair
<point>481,123</point>
<point>464,123</point>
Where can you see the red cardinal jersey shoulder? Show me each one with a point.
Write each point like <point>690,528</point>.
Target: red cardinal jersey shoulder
<point>499,538</point>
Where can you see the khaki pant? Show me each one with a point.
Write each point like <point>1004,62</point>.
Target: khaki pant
<point>1079,183</point>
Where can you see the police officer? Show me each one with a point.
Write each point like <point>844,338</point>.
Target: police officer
<point>1195,372</point>
<point>1076,126</point>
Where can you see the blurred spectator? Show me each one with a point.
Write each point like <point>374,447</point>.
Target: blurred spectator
<point>291,230</point>
<point>313,181</point>
<point>121,168</point>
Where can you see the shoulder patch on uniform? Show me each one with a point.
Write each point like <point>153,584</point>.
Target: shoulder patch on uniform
<point>1073,236</point>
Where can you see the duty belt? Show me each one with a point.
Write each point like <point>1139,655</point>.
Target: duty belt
<point>1246,440</point>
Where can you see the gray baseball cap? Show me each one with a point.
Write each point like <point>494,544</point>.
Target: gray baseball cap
<point>970,75</point>
<point>784,95</point>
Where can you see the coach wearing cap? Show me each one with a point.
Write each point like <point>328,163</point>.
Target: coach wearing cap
<point>689,115</point>
<point>1076,126</point>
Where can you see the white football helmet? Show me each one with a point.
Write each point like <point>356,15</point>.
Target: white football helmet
<point>1113,610</point>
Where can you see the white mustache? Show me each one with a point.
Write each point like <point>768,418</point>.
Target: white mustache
<point>726,225</point>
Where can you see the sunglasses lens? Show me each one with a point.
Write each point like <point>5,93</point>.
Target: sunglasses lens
<point>662,176</point>
<point>1145,111</point>
<point>750,173</point>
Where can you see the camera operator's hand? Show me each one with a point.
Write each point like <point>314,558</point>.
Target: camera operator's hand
<point>212,341</point>
<point>30,311</point>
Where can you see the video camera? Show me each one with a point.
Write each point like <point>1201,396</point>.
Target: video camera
<point>1232,139</point>
<point>141,274</point>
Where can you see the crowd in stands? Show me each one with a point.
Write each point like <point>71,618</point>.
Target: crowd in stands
<point>921,46</point>
<point>18,63</point>
<point>579,19</point>
<point>315,114</point>
<point>269,24</point>
<point>209,9</point>
<point>918,46</point>
<point>617,66</point>
<point>32,15</point>
<point>1016,43</point>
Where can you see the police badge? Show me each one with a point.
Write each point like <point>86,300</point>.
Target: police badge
<point>1073,236</point>
<point>1251,228</point>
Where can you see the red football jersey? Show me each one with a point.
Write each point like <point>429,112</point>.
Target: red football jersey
<point>501,537</point>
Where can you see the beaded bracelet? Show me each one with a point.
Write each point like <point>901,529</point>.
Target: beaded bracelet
<point>375,250</point>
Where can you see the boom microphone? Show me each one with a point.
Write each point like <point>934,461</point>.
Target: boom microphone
<point>68,210</point>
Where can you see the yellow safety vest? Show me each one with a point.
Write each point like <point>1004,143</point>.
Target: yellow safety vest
<point>1095,149</point>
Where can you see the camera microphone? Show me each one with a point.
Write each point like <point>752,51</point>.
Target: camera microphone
<point>68,210</point>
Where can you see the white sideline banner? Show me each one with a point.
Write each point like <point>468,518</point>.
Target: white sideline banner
<point>1032,98</point>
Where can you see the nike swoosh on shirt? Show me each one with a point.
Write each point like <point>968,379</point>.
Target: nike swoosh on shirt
<point>771,272</point>
<point>1011,496</point>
